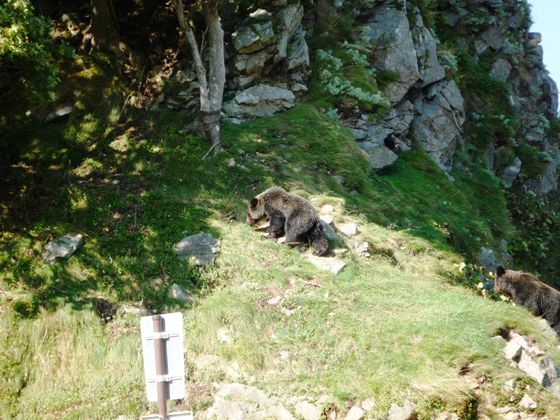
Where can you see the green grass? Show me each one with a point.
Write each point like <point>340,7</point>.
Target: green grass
<point>392,327</point>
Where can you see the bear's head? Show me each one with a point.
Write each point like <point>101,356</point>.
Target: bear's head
<point>501,283</point>
<point>255,211</point>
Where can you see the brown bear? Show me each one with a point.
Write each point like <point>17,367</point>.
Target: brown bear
<point>528,291</point>
<point>290,215</point>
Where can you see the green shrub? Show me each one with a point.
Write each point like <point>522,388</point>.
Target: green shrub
<point>27,53</point>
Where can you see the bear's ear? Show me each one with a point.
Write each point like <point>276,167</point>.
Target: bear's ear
<point>254,203</point>
<point>500,271</point>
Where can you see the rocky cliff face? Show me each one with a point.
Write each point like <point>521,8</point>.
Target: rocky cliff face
<point>270,62</point>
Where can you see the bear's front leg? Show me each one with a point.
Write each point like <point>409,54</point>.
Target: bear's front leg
<point>276,227</point>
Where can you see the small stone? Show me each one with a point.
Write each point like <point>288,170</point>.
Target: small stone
<point>284,355</point>
<point>510,385</point>
<point>362,249</point>
<point>327,209</point>
<point>308,411</point>
<point>339,252</point>
<point>274,301</point>
<point>59,113</point>
<point>326,263</point>
<point>406,412</point>
<point>527,402</point>
<point>177,293</point>
<point>355,413</point>
<point>348,229</point>
<point>231,162</point>
<point>62,247</point>
<point>368,405</point>
<point>223,336</point>
<point>447,416</point>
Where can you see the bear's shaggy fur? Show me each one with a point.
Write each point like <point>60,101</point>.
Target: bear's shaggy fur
<point>528,291</point>
<point>290,215</point>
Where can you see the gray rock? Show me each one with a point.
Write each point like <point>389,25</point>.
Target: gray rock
<point>527,402</point>
<point>59,113</point>
<point>259,101</point>
<point>438,125</point>
<point>290,18</point>
<point>447,416</point>
<point>437,133</point>
<point>488,259</point>
<point>547,329</point>
<point>530,367</point>
<point>511,173</point>
<point>362,249</point>
<point>551,378</point>
<point>333,265</point>
<point>378,155</point>
<point>330,234</point>
<point>493,37</point>
<point>534,38</point>
<point>359,134</point>
<point>368,405</point>
<point>253,37</point>
<point>506,257</point>
<point>236,401</point>
<point>62,247</point>
<point>550,95</point>
<point>546,182</point>
<point>480,47</point>
<point>489,156</point>
<point>348,229</point>
<point>176,292</point>
<point>308,411</point>
<point>512,351</point>
<point>501,69</point>
<point>406,412</point>
<point>252,64</point>
<point>355,413</point>
<point>199,249</point>
<point>429,66</point>
<point>299,52</point>
<point>390,33</point>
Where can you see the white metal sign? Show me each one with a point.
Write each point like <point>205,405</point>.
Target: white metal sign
<point>173,356</point>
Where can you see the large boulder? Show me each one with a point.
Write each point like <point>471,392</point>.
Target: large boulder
<point>547,181</point>
<point>550,96</point>
<point>289,19</point>
<point>389,32</point>
<point>501,69</point>
<point>429,66</point>
<point>511,173</point>
<point>379,155</point>
<point>255,37</point>
<point>438,125</point>
<point>260,101</point>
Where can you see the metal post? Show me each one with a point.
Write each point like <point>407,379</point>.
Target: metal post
<point>161,368</point>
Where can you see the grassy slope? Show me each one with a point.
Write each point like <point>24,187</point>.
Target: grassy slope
<point>389,328</point>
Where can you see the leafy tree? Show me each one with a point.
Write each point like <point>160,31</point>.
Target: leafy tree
<point>211,81</point>
<point>27,54</point>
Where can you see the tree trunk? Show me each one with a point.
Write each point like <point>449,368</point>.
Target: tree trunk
<point>217,74</point>
<point>104,28</point>
<point>211,83</point>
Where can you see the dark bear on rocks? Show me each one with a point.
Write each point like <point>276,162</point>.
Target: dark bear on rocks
<point>289,215</point>
<point>528,291</point>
